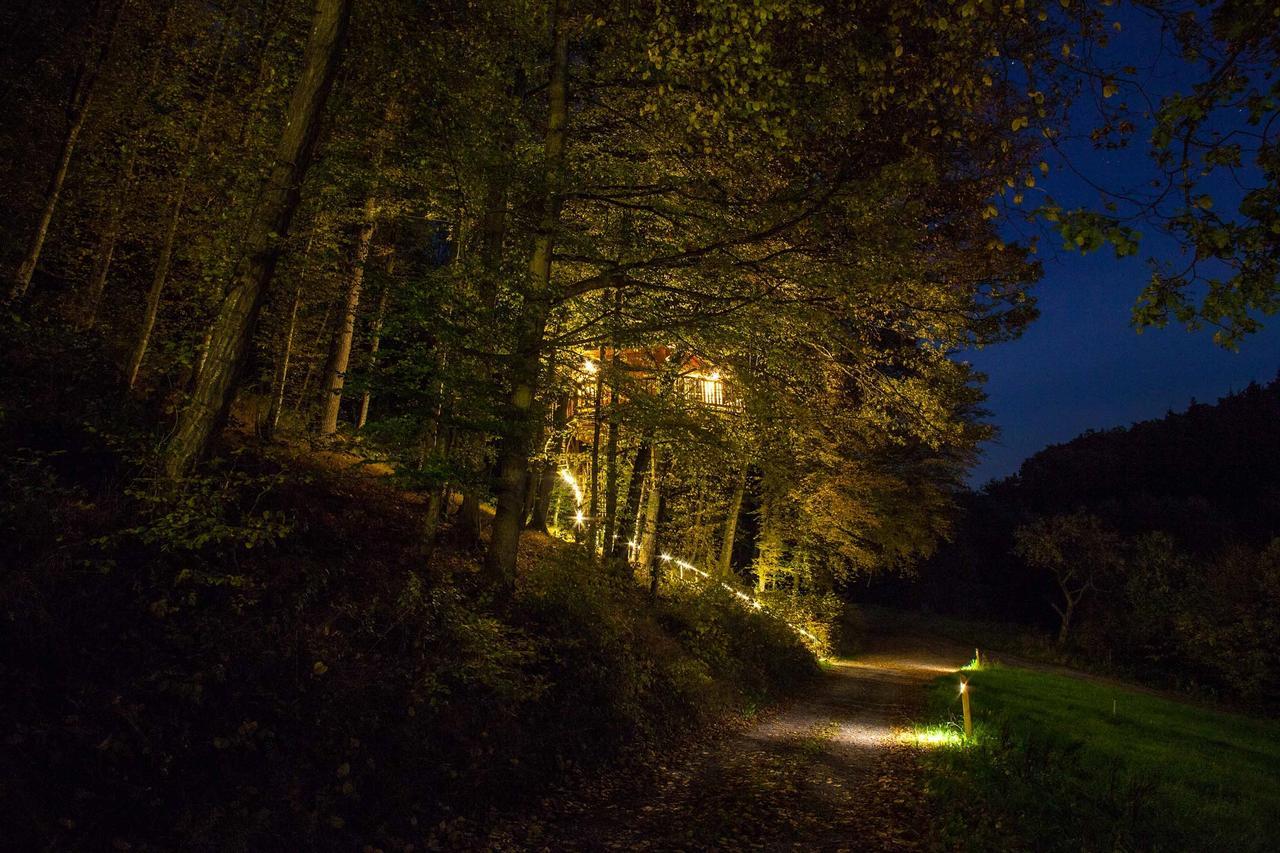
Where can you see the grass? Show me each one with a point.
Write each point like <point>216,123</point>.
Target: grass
<point>1052,766</point>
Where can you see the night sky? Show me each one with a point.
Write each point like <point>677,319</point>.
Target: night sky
<point>1081,365</point>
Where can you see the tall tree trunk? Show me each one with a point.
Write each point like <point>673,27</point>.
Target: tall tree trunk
<point>659,523</point>
<point>513,459</point>
<point>547,472</point>
<point>693,541</point>
<point>593,522</point>
<point>611,459</point>
<point>649,537</point>
<point>431,521</point>
<point>281,379</point>
<point>340,360</point>
<point>468,525</point>
<point>77,109</point>
<point>725,564</point>
<point>233,329</point>
<point>161,275</point>
<point>375,333</point>
<point>631,504</point>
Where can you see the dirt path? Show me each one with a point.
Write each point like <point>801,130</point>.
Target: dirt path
<point>824,773</point>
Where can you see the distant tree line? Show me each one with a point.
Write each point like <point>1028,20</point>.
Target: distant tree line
<point>1154,547</point>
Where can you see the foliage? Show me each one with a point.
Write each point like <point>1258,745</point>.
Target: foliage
<point>1215,167</point>
<point>217,509</point>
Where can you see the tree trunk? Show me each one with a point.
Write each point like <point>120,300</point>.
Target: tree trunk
<point>693,544</point>
<point>467,527</point>
<point>725,565</point>
<point>513,464</point>
<point>611,461</point>
<point>77,109</point>
<point>593,523</point>
<point>631,504</point>
<point>1066,627</point>
<point>660,524</point>
<point>340,359</point>
<point>547,472</point>
<point>176,202</point>
<point>281,379</point>
<point>542,501</point>
<point>233,329</point>
<point>649,538</point>
<point>374,344</point>
<point>431,521</point>
<point>1065,614</point>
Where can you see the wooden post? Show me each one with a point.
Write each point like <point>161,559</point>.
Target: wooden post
<point>964,701</point>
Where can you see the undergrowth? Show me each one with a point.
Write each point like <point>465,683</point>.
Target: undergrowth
<point>258,659</point>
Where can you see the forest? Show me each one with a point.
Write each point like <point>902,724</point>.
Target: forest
<point>413,415</point>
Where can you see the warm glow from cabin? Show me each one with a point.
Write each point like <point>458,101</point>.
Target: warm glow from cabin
<point>713,390</point>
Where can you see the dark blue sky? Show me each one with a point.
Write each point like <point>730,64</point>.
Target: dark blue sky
<point>1081,365</point>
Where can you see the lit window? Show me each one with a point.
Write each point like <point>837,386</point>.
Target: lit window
<point>713,390</point>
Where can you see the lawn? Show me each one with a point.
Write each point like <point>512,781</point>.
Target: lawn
<point>1064,763</point>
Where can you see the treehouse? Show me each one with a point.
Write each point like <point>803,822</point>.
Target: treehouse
<point>697,386</point>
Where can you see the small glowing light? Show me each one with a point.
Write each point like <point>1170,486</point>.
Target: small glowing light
<point>963,686</point>
<point>579,519</point>
<point>715,376</point>
<point>666,558</point>
<point>590,366</point>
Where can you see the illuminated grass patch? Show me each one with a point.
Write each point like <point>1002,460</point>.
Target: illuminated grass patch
<point>1064,763</point>
<point>932,737</point>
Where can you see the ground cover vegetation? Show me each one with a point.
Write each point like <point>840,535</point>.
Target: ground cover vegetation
<point>1059,762</point>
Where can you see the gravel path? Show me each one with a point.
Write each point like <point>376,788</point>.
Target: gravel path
<point>824,773</point>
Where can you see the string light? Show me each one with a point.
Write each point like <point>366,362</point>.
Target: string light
<point>750,601</point>
<point>567,476</point>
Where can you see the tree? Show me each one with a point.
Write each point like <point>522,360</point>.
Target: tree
<point>82,93</point>
<point>238,315</point>
<point>1078,550</point>
<point>1215,186</point>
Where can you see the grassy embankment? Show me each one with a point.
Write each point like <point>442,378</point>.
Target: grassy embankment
<point>1065,763</point>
